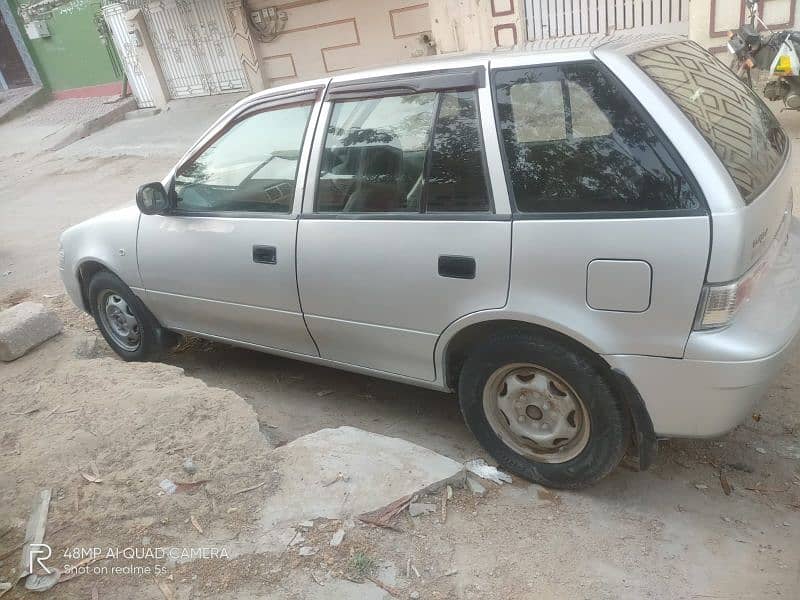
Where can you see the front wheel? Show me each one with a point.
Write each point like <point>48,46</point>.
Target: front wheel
<point>126,324</point>
<point>543,409</point>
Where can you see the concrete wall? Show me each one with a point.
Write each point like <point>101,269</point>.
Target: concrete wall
<point>324,37</point>
<point>710,20</point>
<point>73,56</point>
<point>477,25</point>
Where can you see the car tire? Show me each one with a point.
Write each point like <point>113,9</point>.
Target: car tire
<point>544,409</point>
<point>126,324</point>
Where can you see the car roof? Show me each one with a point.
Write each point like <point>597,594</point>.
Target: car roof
<point>569,48</point>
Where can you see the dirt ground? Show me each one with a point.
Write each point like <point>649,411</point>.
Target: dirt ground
<point>71,413</point>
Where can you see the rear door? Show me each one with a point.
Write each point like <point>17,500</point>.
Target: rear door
<point>222,264</point>
<point>399,236</point>
<point>611,232</point>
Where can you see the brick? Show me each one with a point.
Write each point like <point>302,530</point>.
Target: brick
<point>25,326</point>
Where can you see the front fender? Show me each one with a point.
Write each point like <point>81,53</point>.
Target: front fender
<point>107,240</point>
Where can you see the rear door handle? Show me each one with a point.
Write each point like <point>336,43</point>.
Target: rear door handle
<point>265,254</point>
<point>458,267</point>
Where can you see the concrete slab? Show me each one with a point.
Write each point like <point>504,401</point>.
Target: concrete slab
<point>59,123</point>
<point>321,587</point>
<point>168,133</point>
<point>375,471</point>
<point>110,112</point>
<point>25,326</point>
<point>17,101</point>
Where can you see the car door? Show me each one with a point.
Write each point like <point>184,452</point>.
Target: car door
<point>222,263</point>
<point>611,231</point>
<point>399,236</point>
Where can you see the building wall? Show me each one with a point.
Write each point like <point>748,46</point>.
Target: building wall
<point>710,21</point>
<point>477,25</point>
<point>15,29</point>
<point>73,56</point>
<point>324,37</point>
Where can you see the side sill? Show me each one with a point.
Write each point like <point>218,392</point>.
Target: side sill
<point>325,362</point>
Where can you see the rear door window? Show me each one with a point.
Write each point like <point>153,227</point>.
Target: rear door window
<point>735,122</point>
<point>413,153</point>
<point>574,142</point>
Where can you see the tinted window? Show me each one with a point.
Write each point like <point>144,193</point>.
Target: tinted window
<point>456,179</point>
<point>575,143</point>
<point>410,153</point>
<point>252,167</point>
<point>738,126</point>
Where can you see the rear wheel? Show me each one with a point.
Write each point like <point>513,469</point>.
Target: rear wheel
<point>126,324</point>
<point>543,409</point>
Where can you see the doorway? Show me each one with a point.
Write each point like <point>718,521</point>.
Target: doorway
<point>13,73</point>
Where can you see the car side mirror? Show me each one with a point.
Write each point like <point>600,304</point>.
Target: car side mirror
<point>152,199</point>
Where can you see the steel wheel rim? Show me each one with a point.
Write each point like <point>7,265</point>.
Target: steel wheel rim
<point>536,413</point>
<point>118,320</point>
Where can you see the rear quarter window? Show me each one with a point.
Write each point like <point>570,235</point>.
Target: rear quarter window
<point>575,142</point>
<point>735,122</point>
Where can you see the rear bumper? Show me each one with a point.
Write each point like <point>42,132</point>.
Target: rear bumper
<point>724,373</point>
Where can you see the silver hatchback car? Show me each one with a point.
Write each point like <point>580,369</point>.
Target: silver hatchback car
<point>593,245</point>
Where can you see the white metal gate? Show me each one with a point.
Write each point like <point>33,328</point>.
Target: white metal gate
<point>562,18</point>
<point>125,44</point>
<point>194,44</point>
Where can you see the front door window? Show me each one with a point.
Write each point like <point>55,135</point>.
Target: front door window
<point>252,167</point>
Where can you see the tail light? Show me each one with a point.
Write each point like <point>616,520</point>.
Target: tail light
<point>720,302</point>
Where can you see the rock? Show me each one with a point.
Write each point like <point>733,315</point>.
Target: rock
<point>414,595</point>
<point>479,467</point>
<point>25,326</point>
<point>416,509</point>
<point>761,450</point>
<point>168,486</point>
<point>41,583</point>
<point>189,466</point>
<point>337,538</point>
<point>475,486</point>
<point>381,469</point>
<point>307,551</point>
<point>701,486</point>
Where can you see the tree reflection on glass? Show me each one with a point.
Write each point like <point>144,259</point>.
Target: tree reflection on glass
<point>592,167</point>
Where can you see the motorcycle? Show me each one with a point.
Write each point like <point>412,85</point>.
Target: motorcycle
<point>774,52</point>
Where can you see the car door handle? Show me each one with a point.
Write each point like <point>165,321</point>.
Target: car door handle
<point>459,267</point>
<point>265,254</point>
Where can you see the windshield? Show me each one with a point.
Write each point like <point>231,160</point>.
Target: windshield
<point>736,123</point>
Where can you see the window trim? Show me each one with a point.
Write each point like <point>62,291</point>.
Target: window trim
<point>300,97</point>
<point>422,212</point>
<point>463,79</point>
<point>685,171</point>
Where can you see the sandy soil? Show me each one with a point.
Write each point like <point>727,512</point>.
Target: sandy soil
<point>671,532</point>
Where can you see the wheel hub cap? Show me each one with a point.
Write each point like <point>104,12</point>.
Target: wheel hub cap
<point>119,320</point>
<point>536,413</point>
